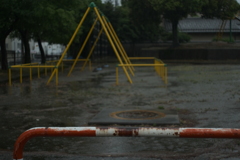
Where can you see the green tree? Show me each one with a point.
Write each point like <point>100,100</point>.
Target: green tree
<point>145,19</point>
<point>25,12</point>
<point>123,25</point>
<point>55,22</point>
<point>8,21</point>
<point>224,9</point>
<point>175,10</point>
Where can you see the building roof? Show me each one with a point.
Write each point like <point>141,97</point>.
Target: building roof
<point>200,25</point>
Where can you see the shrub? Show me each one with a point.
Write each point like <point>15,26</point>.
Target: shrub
<point>182,37</point>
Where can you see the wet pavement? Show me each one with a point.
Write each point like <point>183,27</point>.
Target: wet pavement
<point>205,96</point>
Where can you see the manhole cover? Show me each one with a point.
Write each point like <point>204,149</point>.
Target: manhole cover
<point>134,117</point>
<point>137,115</point>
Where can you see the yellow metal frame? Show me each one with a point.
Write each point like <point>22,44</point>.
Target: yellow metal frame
<point>56,64</point>
<point>142,58</point>
<point>111,40</point>
<point>116,42</point>
<point>159,66</point>
<point>68,45</point>
<point>121,46</point>
<point>161,70</point>
<point>30,66</point>
<point>92,49</point>
<point>112,37</point>
<point>84,44</point>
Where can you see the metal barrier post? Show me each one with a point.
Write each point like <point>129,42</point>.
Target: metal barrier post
<point>120,132</point>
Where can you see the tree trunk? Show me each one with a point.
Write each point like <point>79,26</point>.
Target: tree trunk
<point>175,33</point>
<point>43,57</point>
<point>25,40</point>
<point>4,63</point>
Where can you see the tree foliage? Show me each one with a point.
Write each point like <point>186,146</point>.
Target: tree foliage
<point>119,18</point>
<point>175,10</point>
<point>134,21</point>
<point>145,19</point>
<point>8,21</point>
<point>222,9</point>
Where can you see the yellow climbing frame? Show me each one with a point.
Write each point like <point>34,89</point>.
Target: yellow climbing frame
<point>113,40</point>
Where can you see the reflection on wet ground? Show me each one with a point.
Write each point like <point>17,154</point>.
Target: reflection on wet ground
<point>204,95</point>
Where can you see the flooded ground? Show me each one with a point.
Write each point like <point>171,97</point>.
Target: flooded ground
<point>205,96</point>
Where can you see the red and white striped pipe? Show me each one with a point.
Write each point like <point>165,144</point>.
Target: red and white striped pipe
<point>120,131</point>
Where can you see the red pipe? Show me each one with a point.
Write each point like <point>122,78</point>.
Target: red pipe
<point>122,131</point>
<point>209,133</point>
<point>46,132</point>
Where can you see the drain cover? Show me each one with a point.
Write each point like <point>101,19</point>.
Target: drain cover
<point>134,117</point>
<point>137,115</point>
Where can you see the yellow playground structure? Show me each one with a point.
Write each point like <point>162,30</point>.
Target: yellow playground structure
<point>106,27</point>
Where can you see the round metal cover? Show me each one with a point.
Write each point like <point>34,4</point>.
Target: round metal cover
<point>137,115</point>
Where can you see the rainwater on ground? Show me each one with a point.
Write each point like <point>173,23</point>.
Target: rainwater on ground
<point>206,96</point>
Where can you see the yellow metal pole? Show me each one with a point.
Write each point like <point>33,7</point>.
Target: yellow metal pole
<point>74,35</point>
<point>84,44</point>
<point>141,65</point>
<point>112,44</point>
<point>33,67</point>
<point>117,75</point>
<point>92,49</point>
<point>117,44</point>
<point>10,77</point>
<point>141,57</point>
<point>51,77</point>
<point>70,42</point>
<point>56,76</point>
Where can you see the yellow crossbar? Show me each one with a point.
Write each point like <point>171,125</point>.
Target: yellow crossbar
<point>75,60</point>
<point>141,57</point>
<point>141,65</point>
<point>26,64</point>
<point>33,67</point>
